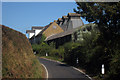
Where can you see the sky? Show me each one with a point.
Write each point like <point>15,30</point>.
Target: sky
<point>21,16</point>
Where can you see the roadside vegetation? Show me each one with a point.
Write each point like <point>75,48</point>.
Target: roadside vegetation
<point>108,44</point>
<point>95,50</point>
<point>53,58</point>
<point>91,54</point>
<point>18,60</point>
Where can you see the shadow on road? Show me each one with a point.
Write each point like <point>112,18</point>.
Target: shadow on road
<point>64,65</point>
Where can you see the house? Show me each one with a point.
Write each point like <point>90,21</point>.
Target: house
<point>71,21</point>
<point>74,21</point>
<point>49,30</point>
<point>52,29</point>
<point>30,33</point>
<point>79,34</point>
<point>73,35</point>
<point>33,32</point>
<point>59,29</point>
<point>37,29</point>
<point>64,23</point>
<point>61,38</point>
<point>59,21</point>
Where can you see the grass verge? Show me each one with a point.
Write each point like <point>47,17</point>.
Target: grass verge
<point>53,58</point>
<point>18,60</point>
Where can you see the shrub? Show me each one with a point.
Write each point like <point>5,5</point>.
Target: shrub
<point>114,72</point>
<point>61,52</point>
<point>41,49</point>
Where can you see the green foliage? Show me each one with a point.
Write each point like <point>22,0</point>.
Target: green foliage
<point>103,49</point>
<point>89,52</point>
<point>35,47</point>
<point>43,37</point>
<point>61,51</point>
<point>114,71</point>
<point>101,13</point>
<point>54,52</point>
<point>52,44</point>
<point>41,49</point>
<point>70,53</point>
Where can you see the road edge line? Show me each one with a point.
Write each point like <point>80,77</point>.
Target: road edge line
<point>54,61</point>
<point>45,71</point>
<point>71,66</point>
<point>82,72</point>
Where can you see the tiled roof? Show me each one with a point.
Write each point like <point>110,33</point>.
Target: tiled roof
<point>55,20</point>
<point>59,19</point>
<point>37,27</point>
<point>74,14</point>
<point>62,34</point>
<point>30,31</point>
<point>64,17</point>
<point>44,28</point>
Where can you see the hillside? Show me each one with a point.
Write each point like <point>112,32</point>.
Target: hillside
<point>18,60</point>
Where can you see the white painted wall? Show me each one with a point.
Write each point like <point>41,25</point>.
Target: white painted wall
<point>30,35</point>
<point>37,31</point>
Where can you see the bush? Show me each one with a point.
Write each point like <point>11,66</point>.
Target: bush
<point>96,60</point>
<point>61,52</point>
<point>91,53</point>
<point>114,72</point>
<point>41,49</point>
<point>70,53</point>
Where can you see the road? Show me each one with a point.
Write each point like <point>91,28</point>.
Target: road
<point>57,70</point>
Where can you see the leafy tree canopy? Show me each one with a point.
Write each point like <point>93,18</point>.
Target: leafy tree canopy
<point>106,14</point>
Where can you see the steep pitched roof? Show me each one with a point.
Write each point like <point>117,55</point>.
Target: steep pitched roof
<point>64,17</point>
<point>55,20</point>
<point>30,31</point>
<point>62,34</point>
<point>44,28</point>
<point>37,27</point>
<point>73,14</point>
<point>59,19</point>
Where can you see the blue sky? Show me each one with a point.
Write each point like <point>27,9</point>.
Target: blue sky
<point>21,16</point>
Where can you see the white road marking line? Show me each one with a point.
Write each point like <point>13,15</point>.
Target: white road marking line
<point>82,72</point>
<point>71,66</point>
<point>45,70</point>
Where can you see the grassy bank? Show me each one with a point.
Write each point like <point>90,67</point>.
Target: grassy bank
<point>17,56</point>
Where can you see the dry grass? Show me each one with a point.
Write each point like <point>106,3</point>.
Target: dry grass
<point>18,60</point>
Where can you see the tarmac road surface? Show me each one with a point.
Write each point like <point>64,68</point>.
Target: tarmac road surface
<point>61,71</point>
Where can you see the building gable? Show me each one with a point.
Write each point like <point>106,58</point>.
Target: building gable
<point>53,29</point>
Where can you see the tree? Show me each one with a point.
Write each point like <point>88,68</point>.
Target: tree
<point>107,15</point>
<point>43,37</point>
